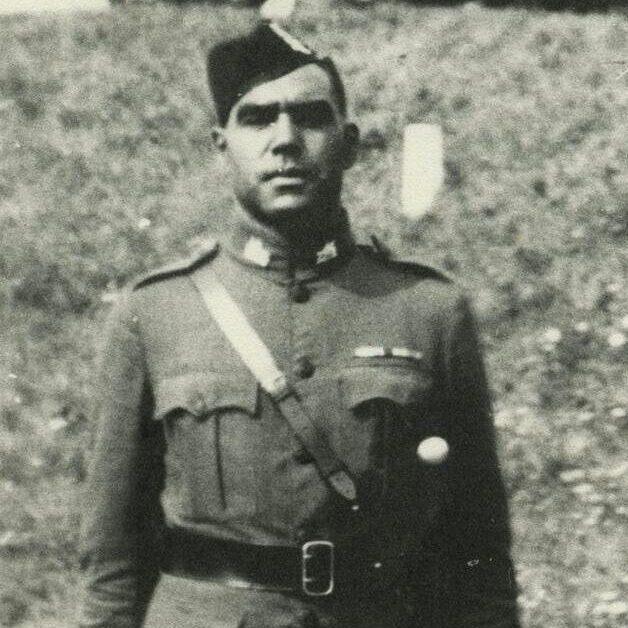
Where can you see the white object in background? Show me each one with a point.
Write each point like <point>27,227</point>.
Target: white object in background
<point>422,170</point>
<point>278,10</point>
<point>54,6</point>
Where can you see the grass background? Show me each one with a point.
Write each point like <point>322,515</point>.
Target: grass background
<point>106,170</point>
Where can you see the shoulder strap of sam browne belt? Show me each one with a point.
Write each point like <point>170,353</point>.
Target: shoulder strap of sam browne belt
<point>259,360</point>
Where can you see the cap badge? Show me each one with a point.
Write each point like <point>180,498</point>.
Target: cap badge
<point>277,10</point>
<point>292,41</point>
<point>256,252</point>
<point>328,252</point>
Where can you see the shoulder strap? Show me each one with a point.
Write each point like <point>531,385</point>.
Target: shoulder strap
<point>419,267</point>
<point>259,360</point>
<point>202,254</point>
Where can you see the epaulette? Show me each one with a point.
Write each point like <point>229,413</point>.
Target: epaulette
<point>183,266</point>
<point>383,253</point>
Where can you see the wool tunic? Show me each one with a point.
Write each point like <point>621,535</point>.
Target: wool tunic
<point>383,355</point>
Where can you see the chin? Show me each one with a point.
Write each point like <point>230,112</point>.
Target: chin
<point>286,207</point>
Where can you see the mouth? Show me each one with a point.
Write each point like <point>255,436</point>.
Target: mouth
<point>286,176</point>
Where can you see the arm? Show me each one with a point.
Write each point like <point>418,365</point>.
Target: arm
<point>121,496</point>
<point>476,523</point>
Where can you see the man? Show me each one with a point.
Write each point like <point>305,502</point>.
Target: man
<point>294,430</point>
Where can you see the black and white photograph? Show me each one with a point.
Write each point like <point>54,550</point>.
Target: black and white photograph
<point>313,314</point>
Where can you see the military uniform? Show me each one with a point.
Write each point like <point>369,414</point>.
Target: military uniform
<point>357,486</point>
<point>383,355</point>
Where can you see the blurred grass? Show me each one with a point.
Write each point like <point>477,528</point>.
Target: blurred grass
<point>106,170</point>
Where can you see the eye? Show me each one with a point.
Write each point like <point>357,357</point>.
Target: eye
<point>255,116</point>
<point>312,115</point>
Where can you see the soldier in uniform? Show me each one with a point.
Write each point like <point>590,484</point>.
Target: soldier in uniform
<point>294,429</point>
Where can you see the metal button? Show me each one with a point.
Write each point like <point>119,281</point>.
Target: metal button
<point>433,450</point>
<point>299,292</point>
<point>304,368</point>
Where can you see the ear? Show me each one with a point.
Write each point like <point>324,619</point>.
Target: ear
<point>218,138</point>
<point>351,139</point>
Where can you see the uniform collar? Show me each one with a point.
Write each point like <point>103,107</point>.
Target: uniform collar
<point>260,246</point>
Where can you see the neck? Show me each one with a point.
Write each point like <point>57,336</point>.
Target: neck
<point>295,241</point>
<point>307,229</point>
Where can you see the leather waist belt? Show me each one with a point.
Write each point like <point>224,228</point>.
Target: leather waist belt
<point>313,569</point>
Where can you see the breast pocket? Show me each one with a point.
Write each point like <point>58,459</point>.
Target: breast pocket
<point>211,434</point>
<point>388,405</point>
<point>368,409</point>
<point>398,383</point>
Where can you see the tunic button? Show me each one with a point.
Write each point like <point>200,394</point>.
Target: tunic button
<point>304,368</point>
<point>299,292</point>
<point>303,456</point>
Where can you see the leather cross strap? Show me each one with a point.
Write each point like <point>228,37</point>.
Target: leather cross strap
<point>259,360</point>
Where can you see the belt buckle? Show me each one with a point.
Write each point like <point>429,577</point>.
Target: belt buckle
<point>317,568</point>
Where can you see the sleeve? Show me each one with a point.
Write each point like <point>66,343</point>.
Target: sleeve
<point>476,530</point>
<point>118,557</point>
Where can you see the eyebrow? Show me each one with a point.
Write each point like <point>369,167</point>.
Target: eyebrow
<point>320,110</point>
<point>266,111</point>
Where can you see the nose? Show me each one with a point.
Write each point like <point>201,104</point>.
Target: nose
<point>286,136</point>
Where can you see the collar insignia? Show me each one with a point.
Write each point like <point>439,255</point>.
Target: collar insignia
<point>328,252</point>
<point>256,252</point>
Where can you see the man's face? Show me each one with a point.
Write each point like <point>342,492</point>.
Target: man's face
<point>287,144</point>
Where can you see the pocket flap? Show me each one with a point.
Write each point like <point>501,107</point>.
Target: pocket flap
<point>204,392</point>
<point>401,383</point>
